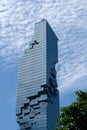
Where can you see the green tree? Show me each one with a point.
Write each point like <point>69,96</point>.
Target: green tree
<point>74,117</point>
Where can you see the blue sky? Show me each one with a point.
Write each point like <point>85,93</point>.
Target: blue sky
<point>68,19</point>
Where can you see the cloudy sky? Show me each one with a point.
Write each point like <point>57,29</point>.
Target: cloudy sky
<point>68,18</point>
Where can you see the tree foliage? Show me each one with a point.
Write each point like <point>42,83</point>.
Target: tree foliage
<point>74,117</point>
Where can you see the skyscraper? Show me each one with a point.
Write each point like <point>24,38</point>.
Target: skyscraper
<point>37,102</point>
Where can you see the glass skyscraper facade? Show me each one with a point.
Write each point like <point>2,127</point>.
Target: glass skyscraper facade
<point>37,103</point>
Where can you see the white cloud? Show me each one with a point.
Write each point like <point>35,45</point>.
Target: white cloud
<point>68,18</point>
